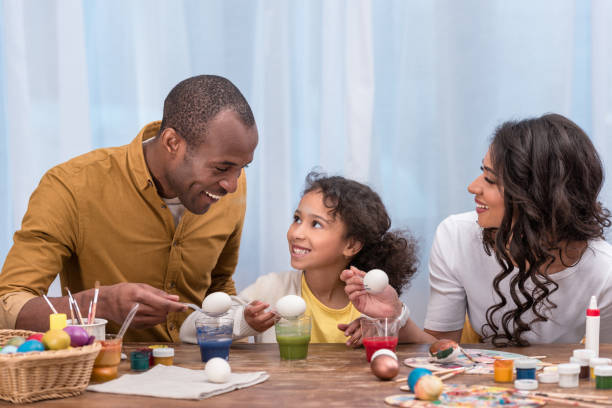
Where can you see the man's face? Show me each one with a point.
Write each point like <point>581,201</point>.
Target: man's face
<point>200,176</point>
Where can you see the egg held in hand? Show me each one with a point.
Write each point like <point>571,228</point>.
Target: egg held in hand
<point>290,306</point>
<point>375,281</point>
<point>216,304</point>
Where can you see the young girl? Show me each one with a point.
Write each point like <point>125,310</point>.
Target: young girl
<point>339,222</point>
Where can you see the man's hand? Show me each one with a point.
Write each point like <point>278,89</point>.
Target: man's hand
<point>155,304</point>
<point>353,332</point>
<point>383,304</point>
<point>256,316</point>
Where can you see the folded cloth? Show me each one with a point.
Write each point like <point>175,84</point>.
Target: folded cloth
<point>176,382</point>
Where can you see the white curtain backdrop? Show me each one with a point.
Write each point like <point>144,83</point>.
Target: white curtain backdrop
<point>403,95</point>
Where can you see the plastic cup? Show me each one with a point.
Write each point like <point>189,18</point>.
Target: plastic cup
<point>214,336</point>
<point>96,329</point>
<point>107,362</point>
<point>379,334</point>
<point>293,336</point>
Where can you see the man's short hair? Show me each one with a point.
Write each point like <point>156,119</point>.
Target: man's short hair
<point>196,100</point>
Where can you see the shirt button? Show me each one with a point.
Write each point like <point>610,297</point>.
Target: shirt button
<point>163,206</point>
<point>175,243</point>
<point>171,285</point>
<point>171,326</point>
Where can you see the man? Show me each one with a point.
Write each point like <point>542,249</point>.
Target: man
<point>117,215</point>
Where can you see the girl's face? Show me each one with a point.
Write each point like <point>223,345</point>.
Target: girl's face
<point>316,239</point>
<point>489,196</point>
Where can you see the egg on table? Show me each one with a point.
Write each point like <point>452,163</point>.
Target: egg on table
<point>290,306</point>
<point>444,351</point>
<point>384,364</point>
<point>375,281</point>
<point>216,303</point>
<point>217,370</point>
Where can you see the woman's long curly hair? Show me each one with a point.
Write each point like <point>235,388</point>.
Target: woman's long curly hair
<point>551,176</point>
<point>366,220</point>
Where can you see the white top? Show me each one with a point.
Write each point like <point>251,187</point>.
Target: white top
<point>461,278</point>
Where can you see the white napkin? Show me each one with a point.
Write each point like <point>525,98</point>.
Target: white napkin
<point>176,382</point>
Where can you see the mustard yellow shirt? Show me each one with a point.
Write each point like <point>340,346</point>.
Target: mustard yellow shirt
<point>99,217</point>
<point>324,319</point>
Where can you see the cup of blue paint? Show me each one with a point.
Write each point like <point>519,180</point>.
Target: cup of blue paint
<point>214,336</point>
<point>525,368</point>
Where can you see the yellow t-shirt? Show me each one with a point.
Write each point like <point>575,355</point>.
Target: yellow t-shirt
<point>324,319</point>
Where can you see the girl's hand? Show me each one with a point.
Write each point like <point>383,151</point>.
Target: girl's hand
<point>383,304</point>
<point>353,331</point>
<point>256,316</point>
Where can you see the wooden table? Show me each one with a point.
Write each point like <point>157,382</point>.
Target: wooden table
<point>332,376</point>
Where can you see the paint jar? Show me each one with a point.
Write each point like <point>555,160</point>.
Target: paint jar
<point>525,368</point>
<point>568,375</point>
<point>526,384</point>
<point>598,361</point>
<point>549,375</point>
<point>603,377</point>
<point>585,371</point>
<point>163,355</point>
<point>139,361</point>
<point>502,370</point>
<point>582,357</point>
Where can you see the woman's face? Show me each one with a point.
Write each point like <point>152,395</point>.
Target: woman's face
<point>489,196</point>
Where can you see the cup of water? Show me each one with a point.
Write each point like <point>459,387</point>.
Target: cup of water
<point>214,336</point>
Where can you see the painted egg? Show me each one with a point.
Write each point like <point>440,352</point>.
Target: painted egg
<point>428,388</point>
<point>415,375</point>
<point>384,364</point>
<point>31,345</point>
<point>217,370</point>
<point>15,341</point>
<point>375,281</point>
<point>444,351</point>
<point>290,306</point>
<point>56,339</point>
<point>216,303</point>
<point>8,350</point>
<point>78,335</point>
<point>35,336</point>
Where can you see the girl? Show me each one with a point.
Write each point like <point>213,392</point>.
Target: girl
<point>339,222</point>
<point>525,264</point>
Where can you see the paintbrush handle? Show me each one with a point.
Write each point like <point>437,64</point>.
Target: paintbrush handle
<point>128,320</point>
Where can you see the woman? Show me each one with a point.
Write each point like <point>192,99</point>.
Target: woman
<point>525,264</point>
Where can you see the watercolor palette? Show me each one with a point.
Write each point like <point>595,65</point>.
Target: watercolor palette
<point>484,361</point>
<point>455,395</point>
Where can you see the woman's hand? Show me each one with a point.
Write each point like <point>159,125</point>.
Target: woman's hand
<point>256,316</point>
<point>383,304</point>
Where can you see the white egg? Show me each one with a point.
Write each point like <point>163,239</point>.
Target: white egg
<point>217,370</point>
<point>290,306</point>
<point>216,303</point>
<point>375,281</point>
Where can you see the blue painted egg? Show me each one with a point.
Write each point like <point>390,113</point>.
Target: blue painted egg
<point>31,345</point>
<point>8,349</point>
<point>415,375</point>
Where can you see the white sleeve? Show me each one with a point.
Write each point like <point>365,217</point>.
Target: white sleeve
<point>604,302</point>
<point>447,298</point>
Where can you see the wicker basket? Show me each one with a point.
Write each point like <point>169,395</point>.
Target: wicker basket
<point>35,376</point>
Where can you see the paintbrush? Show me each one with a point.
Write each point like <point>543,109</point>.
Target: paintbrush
<point>579,397</point>
<point>49,303</point>
<point>76,306</point>
<point>452,374</point>
<point>72,321</point>
<point>89,313</point>
<point>95,302</point>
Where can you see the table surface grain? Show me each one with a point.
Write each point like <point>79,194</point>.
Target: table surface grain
<point>333,375</point>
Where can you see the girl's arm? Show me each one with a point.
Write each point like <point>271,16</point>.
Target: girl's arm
<point>452,335</point>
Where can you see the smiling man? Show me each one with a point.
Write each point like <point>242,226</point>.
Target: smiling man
<point>157,221</point>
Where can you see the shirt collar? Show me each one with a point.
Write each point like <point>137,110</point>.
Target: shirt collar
<point>136,161</point>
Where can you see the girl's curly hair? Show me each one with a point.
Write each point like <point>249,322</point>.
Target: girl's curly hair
<point>551,176</point>
<point>366,220</point>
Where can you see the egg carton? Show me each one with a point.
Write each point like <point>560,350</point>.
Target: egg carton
<point>35,376</point>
